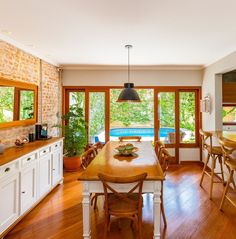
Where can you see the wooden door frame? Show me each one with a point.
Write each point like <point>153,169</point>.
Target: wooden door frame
<point>156,89</point>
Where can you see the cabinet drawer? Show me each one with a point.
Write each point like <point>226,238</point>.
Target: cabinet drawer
<point>44,151</point>
<point>56,146</point>
<point>10,168</point>
<point>28,159</point>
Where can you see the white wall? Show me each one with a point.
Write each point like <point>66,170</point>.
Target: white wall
<point>212,85</point>
<point>138,77</point>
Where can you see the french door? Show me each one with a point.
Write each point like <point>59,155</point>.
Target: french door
<point>177,119</point>
<point>171,114</point>
<point>94,103</point>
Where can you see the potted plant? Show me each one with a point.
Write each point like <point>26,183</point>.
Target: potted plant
<point>75,133</point>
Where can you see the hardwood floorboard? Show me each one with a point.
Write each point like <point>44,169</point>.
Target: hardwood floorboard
<point>189,212</point>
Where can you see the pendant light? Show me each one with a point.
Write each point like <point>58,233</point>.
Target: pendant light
<point>128,94</point>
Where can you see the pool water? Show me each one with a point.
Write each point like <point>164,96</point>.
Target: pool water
<point>143,132</point>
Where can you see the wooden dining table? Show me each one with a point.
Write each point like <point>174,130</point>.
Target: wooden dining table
<point>108,162</point>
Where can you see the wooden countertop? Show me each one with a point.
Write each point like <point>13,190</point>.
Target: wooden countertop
<point>229,135</point>
<point>14,152</point>
<point>105,162</point>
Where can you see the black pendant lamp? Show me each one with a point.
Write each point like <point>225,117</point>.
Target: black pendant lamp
<point>128,94</point>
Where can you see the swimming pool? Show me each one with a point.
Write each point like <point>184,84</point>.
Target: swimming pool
<point>143,132</point>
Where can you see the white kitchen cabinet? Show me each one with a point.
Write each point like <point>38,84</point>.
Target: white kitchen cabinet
<point>57,165</point>
<point>9,200</point>
<point>28,189</point>
<point>25,180</point>
<point>45,174</point>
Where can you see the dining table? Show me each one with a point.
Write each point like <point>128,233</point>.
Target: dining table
<point>108,161</point>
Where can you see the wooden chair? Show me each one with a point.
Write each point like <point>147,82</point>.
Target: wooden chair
<point>164,158</point>
<point>130,138</point>
<point>97,147</point>
<point>229,148</point>
<point>158,146</point>
<point>215,153</point>
<point>123,205</point>
<point>87,157</point>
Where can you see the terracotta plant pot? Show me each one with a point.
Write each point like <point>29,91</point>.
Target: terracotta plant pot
<point>72,164</point>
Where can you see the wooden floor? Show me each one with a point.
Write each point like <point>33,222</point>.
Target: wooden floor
<point>190,214</point>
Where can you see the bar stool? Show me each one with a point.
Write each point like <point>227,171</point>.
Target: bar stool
<point>215,153</point>
<point>229,149</point>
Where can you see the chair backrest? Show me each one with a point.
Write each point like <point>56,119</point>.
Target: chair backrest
<point>130,138</point>
<point>97,147</point>
<point>158,146</point>
<point>228,148</point>
<point>205,137</point>
<point>136,181</point>
<point>87,157</point>
<point>164,159</point>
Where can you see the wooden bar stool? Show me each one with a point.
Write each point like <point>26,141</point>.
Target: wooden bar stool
<point>229,149</point>
<point>215,153</point>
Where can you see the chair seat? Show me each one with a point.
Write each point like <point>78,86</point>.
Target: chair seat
<point>116,205</point>
<point>231,164</point>
<point>216,150</point>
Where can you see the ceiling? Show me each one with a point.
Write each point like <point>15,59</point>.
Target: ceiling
<point>163,32</point>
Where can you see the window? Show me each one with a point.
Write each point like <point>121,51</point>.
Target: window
<point>187,117</point>
<point>229,114</point>
<point>132,119</point>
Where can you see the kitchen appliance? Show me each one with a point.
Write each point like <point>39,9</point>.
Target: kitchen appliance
<point>41,131</point>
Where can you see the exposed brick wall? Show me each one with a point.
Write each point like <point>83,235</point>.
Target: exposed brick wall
<point>16,64</point>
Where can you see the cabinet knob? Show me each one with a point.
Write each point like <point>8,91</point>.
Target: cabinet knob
<point>23,192</point>
<point>7,169</point>
<point>28,159</point>
<point>56,145</point>
<point>44,151</point>
<point>53,169</point>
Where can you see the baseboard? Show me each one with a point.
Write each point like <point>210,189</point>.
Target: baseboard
<point>191,162</point>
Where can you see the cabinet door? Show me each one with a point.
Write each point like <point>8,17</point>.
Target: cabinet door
<point>9,200</point>
<point>57,167</point>
<point>28,187</point>
<point>44,174</point>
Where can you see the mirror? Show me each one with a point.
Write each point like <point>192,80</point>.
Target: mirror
<point>18,103</point>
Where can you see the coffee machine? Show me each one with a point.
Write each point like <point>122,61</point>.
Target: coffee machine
<point>41,131</point>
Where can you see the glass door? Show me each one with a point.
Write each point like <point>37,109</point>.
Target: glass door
<point>96,121</point>
<point>166,129</point>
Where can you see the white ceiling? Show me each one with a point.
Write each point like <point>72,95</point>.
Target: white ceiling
<point>189,32</point>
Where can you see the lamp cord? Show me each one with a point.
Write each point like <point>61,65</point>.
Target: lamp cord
<point>128,66</point>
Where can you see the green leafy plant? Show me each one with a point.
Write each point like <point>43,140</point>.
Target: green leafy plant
<point>74,130</point>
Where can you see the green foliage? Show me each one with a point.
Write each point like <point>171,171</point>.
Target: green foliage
<point>74,131</point>
<point>130,113</point>
<point>26,104</point>
<point>167,109</point>
<point>227,111</point>
<point>187,110</point>
<point>96,113</point>
<point>6,103</point>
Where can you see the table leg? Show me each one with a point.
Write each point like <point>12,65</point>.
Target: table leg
<point>157,210</point>
<point>86,212</point>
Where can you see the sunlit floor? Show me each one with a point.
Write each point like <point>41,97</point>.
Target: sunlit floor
<point>190,213</point>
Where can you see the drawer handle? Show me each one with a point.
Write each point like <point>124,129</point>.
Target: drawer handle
<point>28,159</point>
<point>23,192</point>
<point>7,169</point>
